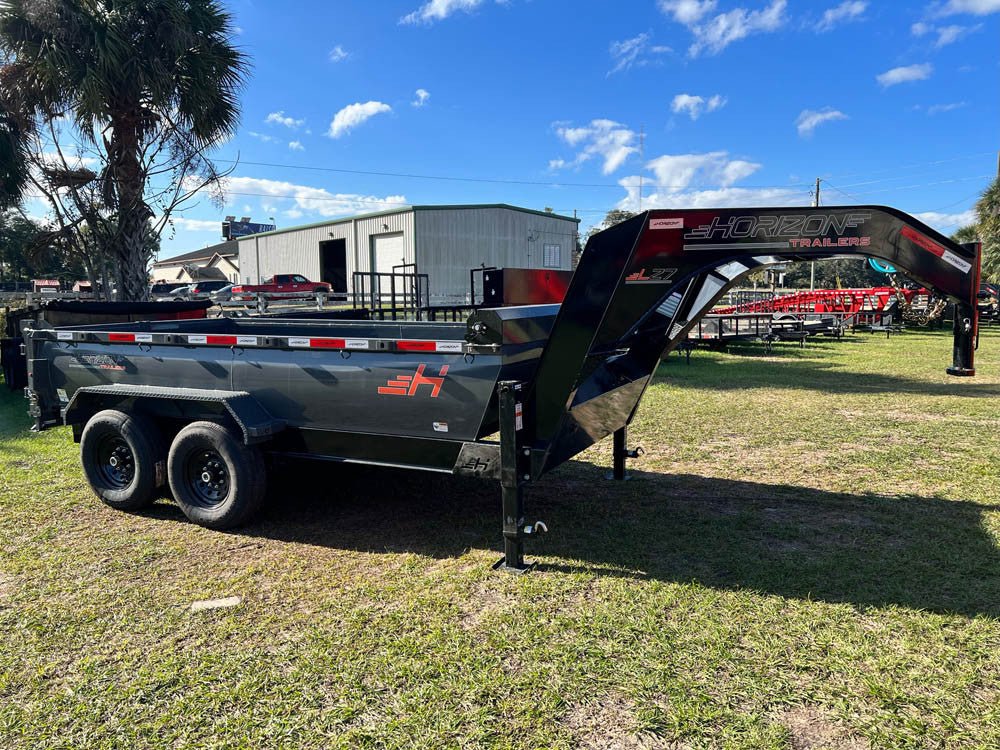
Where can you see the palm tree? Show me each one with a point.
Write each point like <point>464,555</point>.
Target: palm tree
<point>149,85</point>
<point>988,229</point>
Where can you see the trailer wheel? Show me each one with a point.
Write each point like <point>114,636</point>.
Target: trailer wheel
<point>216,480</point>
<point>122,454</point>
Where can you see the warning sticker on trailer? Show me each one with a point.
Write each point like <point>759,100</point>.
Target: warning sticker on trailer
<point>960,263</point>
<point>64,335</point>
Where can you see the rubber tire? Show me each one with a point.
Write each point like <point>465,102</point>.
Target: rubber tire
<point>148,448</point>
<point>244,464</point>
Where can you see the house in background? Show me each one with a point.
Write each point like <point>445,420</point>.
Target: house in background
<point>215,262</point>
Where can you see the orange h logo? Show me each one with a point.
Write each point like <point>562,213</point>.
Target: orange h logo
<point>406,385</point>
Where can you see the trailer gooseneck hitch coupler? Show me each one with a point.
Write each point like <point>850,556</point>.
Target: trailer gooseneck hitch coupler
<point>550,379</point>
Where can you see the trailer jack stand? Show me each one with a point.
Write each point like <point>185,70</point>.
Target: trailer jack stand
<point>621,453</point>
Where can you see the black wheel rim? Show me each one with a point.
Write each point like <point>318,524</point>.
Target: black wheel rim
<point>116,462</point>
<point>208,478</point>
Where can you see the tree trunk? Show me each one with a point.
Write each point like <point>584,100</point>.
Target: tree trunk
<point>129,246</point>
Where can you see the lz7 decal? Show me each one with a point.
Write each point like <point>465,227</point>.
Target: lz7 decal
<point>654,276</point>
<point>407,385</point>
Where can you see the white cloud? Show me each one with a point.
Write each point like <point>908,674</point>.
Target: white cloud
<point>310,200</point>
<point>195,225</point>
<point>846,11</point>
<point>936,109</point>
<point>945,34</point>
<point>905,74</point>
<point>279,118</point>
<point>353,115</point>
<point>708,198</point>
<point>438,10</point>
<point>296,146</point>
<point>687,12</point>
<point>677,172</point>
<point>717,33</point>
<point>810,119</point>
<point>696,106</point>
<point>634,52</point>
<point>422,96</point>
<point>975,7</point>
<point>338,54</point>
<point>262,137</point>
<point>947,223</point>
<point>610,141</point>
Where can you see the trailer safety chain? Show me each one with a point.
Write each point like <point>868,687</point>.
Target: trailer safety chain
<point>935,306</point>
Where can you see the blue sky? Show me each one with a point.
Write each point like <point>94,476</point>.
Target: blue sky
<point>361,106</point>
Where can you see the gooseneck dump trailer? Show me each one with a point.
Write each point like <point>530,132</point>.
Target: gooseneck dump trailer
<point>196,403</point>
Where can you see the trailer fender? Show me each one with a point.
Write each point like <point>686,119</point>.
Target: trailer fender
<point>254,421</point>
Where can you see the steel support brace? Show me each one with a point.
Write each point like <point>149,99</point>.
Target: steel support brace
<point>513,474</point>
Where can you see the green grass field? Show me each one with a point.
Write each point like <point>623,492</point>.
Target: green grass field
<point>806,557</point>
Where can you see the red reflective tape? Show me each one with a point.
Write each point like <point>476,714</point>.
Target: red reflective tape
<point>925,242</point>
<point>326,343</point>
<point>221,340</point>
<point>416,346</point>
<point>122,337</point>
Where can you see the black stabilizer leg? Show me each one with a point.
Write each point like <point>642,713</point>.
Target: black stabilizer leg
<point>964,332</point>
<point>512,479</point>
<point>620,453</point>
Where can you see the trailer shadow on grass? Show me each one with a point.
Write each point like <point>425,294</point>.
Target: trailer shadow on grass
<point>912,551</point>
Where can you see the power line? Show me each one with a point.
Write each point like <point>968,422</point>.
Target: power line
<point>450,178</point>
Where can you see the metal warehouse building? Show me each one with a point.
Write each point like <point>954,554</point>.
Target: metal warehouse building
<point>444,242</point>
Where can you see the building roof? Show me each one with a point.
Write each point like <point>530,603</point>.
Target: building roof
<point>224,249</point>
<point>405,209</point>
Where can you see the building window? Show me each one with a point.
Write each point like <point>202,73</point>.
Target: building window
<point>551,256</point>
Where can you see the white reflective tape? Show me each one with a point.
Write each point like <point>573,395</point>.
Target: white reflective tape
<point>197,338</point>
<point>356,344</point>
<point>246,341</point>
<point>960,263</point>
<point>64,335</point>
<point>298,341</point>
<point>144,338</point>
<point>454,347</point>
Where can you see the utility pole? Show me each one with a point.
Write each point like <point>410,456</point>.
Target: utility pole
<point>642,160</point>
<point>812,264</point>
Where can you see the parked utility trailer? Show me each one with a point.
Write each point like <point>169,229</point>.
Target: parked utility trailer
<point>196,403</point>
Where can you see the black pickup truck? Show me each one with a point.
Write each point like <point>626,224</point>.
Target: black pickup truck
<point>507,395</point>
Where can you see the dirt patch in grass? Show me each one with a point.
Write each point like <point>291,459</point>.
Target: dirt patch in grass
<point>486,599</point>
<point>610,724</point>
<point>811,728</point>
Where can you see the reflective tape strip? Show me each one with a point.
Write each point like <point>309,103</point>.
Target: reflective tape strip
<point>297,341</point>
<point>121,338</point>
<point>326,343</point>
<point>144,338</point>
<point>64,335</point>
<point>451,347</point>
<point>246,341</point>
<point>356,344</point>
<point>197,338</point>
<point>221,340</point>
<point>416,346</point>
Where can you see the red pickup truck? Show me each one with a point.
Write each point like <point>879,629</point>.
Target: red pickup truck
<point>281,286</point>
